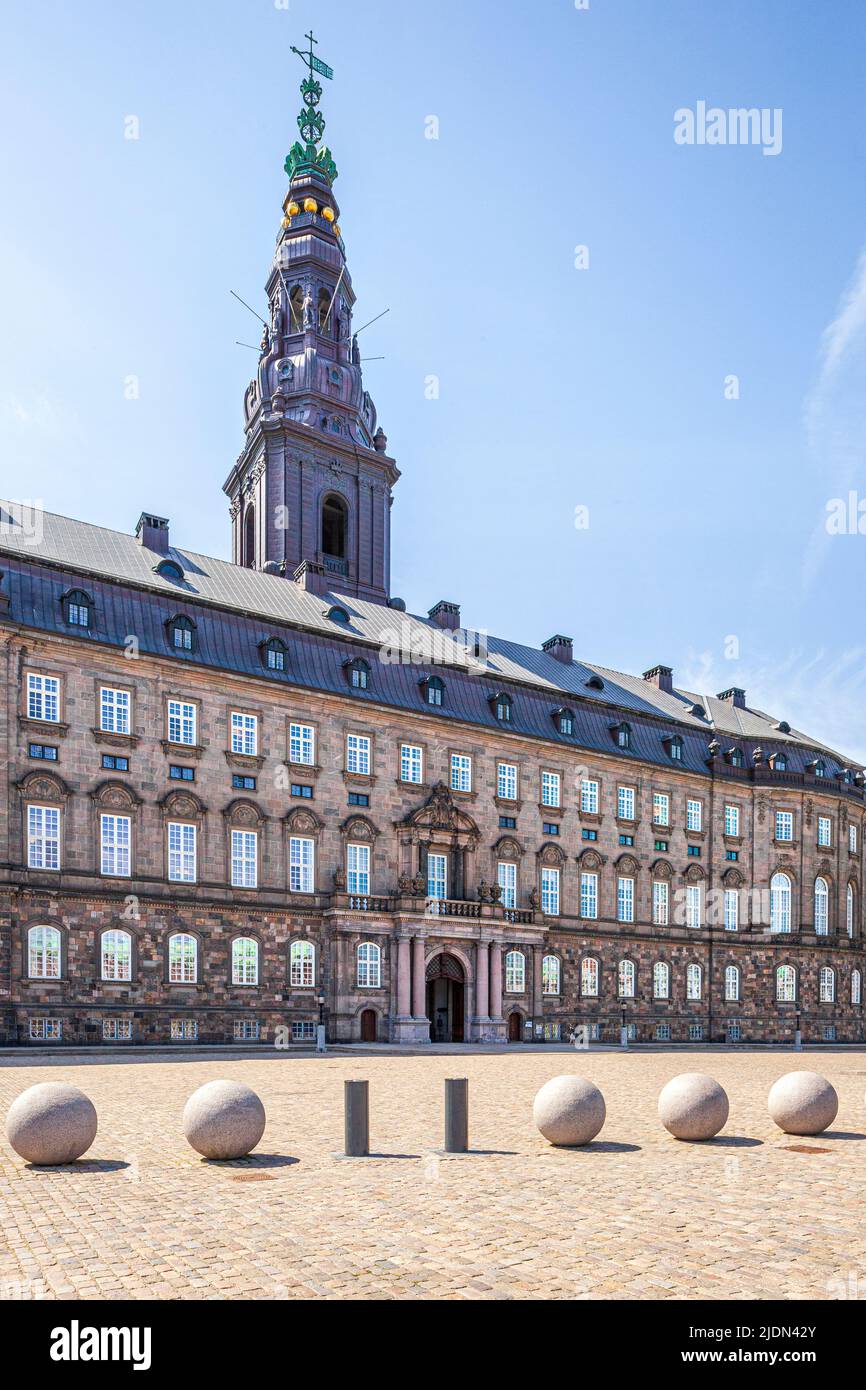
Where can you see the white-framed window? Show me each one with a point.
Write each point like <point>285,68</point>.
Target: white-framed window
<point>786,984</point>
<point>358,754</point>
<point>181,722</point>
<point>245,961</point>
<point>245,733</point>
<point>625,803</point>
<point>46,1029</point>
<point>661,808</point>
<point>732,909</point>
<point>43,837</point>
<point>826,985</point>
<point>663,1032</point>
<point>302,965</point>
<point>735,1032</point>
<point>515,972</point>
<point>303,1030</point>
<point>43,698</point>
<point>115,839</point>
<point>358,868</point>
<point>589,895</point>
<point>694,814</point>
<point>181,852</point>
<point>780,903</point>
<point>626,976</point>
<point>184,1030</point>
<point>784,825</point>
<point>245,859</point>
<point>551,789</point>
<point>856,981</point>
<point>44,953</point>
<point>824,831</point>
<point>661,902</point>
<point>821,906</point>
<point>437,876</point>
<point>506,781</point>
<point>696,1032</point>
<point>506,877</point>
<point>301,864</point>
<point>115,952</point>
<point>732,983</point>
<point>693,905</point>
<point>461,772</point>
<point>411,763</point>
<point>247,1029</point>
<point>589,978</point>
<point>113,710</point>
<point>550,975</point>
<point>661,980</point>
<point>852,839</point>
<point>693,981</point>
<point>589,796</point>
<point>302,744</point>
<point>182,959</point>
<point>732,820</point>
<point>550,892</point>
<point>369,966</point>
<point>625,900</point>
<point>116,1029</point>
<point>849,909</point>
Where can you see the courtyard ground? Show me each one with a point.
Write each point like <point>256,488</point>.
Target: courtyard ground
<point>635,1215</point>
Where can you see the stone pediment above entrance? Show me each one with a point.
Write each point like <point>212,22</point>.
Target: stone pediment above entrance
<point>440,813</point>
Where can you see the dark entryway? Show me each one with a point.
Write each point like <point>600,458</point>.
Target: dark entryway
<point>368,1025</point>
<point>515,1020</point>
<point>445,999</point>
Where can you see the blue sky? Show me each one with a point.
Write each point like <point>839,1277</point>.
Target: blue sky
<point>559,387</point>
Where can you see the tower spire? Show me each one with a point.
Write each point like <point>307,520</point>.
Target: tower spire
<point>308,157</point>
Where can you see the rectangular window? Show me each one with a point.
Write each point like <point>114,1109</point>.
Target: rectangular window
<point>113,710</point>
<point>852,839</point>
<point>301,861</point>
<point>184,1030</point>
<point>43,837</point>
<point>45,751</point>
<point>694,814</point>
<point>551,783</point>
<point>625,900</point>
<point>113,762</point>
<point>625,803</point>
<point>411,763</point>
<point>358,754</point>
<point>823,831</point>
<point>589,896</point>
<point>732,909</point>
<point>507,822</point>
<point>663,1032</point>
<point>461,772</point>
<point>359,798</point>
<point>303,1031</point>
<point>181,852</point>
<point>661,902</point>
<point>358,868</point>
<point>696,1032</point>
<point>245,734</point>
<point>181,722</point>
<point>116,1029</point>
<point>437,876</point>
<point>43,698</point>
<point>661,808</point>
<point>626,839</point>
<point>506,781</point>
<point>302,744</point>
<point>302,789</point>
<point>246,1029</point>
<point>693,851</point>
<point>550,892</point>
<point>241,782</point>
<point>115,840</point>
<point>181,774</point>
<point>661,846</point>
<point>732,820</point>
<point>587,834</point>
<point>784,825</point>
<point>244,858</point>
<point>46,1029</point>
<point>550,827</point>
<point>589,797</point>
<point>734,1032</point>
<point>506,877</point>
<point>732,855</point>
<point>693,905</point>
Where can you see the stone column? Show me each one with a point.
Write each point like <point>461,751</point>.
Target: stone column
<point>419,979</point>
<point>482,980</point>
<point>537,997</point>
<point>404,978</point>
<point>495,980</point>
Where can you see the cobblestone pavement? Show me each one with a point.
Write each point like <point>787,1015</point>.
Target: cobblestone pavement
<point>635,1215</point>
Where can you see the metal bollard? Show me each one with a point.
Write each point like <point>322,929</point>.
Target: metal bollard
<point>456,1115</point>
<point>357,1106</point>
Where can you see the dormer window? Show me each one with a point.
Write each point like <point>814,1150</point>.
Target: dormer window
<point>358,674</point>
<point>434,690</point>
<point>595,683</point>
<point>169,569</point>
<point>779,762</point>
<point>820,769</point>
<point>783,726</point>
<point>337,614</point>
<point>736,757</point>
<point>847,775</point>
<point>674,745</point>
<point>181,631</point>
<point>274,654</point>
<point>77,608</point>
<point>564,719</point>
<point>501,706</point>
<point>622,735</point>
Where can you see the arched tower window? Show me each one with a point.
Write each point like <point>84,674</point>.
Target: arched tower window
<point>250,538</point>
<point>324,305</point>
<point>296,309</point>
<point>334,527</point>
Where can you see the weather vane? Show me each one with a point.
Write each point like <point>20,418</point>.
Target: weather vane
<point>311,122</point>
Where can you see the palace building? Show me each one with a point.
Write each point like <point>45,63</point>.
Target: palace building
<point>246,796</point>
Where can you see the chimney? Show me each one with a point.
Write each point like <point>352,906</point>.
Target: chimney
<point>445,614</point>
<point>735,696</point>
<point>152,532</point>
<point>662,677</point>
<point>560,647</point>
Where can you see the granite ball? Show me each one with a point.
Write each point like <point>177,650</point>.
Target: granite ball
<point>569,1111</point>
<point>224,1119</point>
<point>693,1106</point>
<point>802,1102</point>
<point>51,1123</point>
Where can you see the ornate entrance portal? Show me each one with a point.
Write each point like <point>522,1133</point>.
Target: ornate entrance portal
<point>445,998</point>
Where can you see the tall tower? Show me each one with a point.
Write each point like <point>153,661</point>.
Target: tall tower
<point>310,493</point>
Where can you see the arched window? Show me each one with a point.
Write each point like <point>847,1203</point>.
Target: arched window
<point>335,515</point>
<point>849,909</point>
<point>245,961</point>
<point>250,538</point>
<point>77,608</point>
<point>661,980</point>
<point>855,986</point>
<point>827,985</point>
<point>369,966</point>
<point>693,982</point>
<point>820,768</point>
<point>170,569</point>
<point>626,978</point>
<point>737,758</point>
<point>296,309</point>
<point>780,903</point>
<point>116,955</point>
<point>550,975</point>
<point>337,614</point>
<point>275,654</point>
<point>182,959</point>
<point>732,983</point>
<point>43,953</point>
<point>515,972</point>
<point>182,633</point>
<point>780,762</point>
<point>434,690</point>
<point>302,964</point>
<point>324,305</point>
<point>786,984</point>
<point>589,978</point>
<point>821,899</point>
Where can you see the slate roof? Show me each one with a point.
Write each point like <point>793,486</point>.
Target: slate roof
<point>236,608</point>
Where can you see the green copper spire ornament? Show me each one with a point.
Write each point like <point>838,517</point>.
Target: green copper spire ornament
<point>307,157</point>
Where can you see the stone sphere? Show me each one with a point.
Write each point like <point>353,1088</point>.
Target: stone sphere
<point>224,1119</point>
<point>569,1111</point>
<point>51,1123</point>
<point>693,1106</point>
<point>802,1102</point>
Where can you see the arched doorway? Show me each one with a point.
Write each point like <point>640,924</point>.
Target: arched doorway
<point>515,1021</point>
<point>368,1025</point>
<point>445,998</point>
